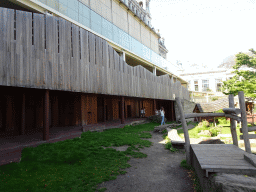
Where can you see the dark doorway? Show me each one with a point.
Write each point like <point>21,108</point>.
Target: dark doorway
<point>2,113</point>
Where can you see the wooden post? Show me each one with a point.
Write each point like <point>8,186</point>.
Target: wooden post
<point>23,114</point>
<point>46,115</point>
<point>122,110</point>
<point>244,122</point>
<point>83,112</point>
<point>232,121</point>
<point>185,130</point>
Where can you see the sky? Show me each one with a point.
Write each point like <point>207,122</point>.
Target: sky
<point>205,32</point>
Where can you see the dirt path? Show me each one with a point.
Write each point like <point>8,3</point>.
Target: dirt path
<point>159,171</point>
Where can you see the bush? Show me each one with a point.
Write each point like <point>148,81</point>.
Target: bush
<point>214,131</point>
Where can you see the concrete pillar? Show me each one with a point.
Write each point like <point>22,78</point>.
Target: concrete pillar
<point>154,70</point>
<point>46,132</point>
<point>23,115</point>
<point>123,55</point>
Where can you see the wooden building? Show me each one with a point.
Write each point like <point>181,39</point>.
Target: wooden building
<point>55,74</point>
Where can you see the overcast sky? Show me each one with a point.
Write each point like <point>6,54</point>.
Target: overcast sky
<point>205,31</point>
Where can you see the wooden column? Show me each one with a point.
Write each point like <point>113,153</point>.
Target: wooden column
<point>122,110</point>
<point>23,115</point>
<point>185,130</point>
<point>232,121</point>
<point>83,111</point>
<point>46,132</point>
<point>154,107</point>
<point>244,121</point>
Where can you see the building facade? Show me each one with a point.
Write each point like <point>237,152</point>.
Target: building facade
<point>208,81</point>
<point>73,64</point>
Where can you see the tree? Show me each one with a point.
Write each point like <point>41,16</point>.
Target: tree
<point>245,76</point>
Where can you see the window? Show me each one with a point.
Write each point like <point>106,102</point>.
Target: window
<point>196,85</point>
<point>218,83</point>
<point>205,85</point>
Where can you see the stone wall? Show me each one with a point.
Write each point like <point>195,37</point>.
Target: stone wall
<point>188,107</point>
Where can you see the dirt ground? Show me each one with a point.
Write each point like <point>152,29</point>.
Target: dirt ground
<point>159,171</point>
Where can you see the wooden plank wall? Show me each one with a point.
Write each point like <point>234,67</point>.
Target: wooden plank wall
<point>46,52</point>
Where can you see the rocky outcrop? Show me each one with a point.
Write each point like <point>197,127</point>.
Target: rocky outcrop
<point>212,141</point>
<point>161,128</point>
<point>232,182</point>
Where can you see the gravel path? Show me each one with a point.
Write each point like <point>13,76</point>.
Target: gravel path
<point>160,171</point>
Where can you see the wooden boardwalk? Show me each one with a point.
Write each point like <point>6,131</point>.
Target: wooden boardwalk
<point>226,158</point>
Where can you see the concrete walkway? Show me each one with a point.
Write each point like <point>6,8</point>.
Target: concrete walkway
<point>159,171</point>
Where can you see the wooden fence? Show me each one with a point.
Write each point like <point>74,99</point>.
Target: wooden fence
<point>47,52</point>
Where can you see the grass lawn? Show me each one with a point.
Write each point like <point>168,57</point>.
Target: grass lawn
<point>78,164</point>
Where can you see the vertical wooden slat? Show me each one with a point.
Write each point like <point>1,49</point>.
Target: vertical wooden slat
<point>2,48</point>
<point>76,57</point>
<point>84,59</point>
<point>10,47</point>
<point>67,55</point>
<point>61,49</point>
<point>49,51</point>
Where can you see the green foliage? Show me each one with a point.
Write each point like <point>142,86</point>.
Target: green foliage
<point>169,146</point>
<point>248,81</point>
<point>78,164</point>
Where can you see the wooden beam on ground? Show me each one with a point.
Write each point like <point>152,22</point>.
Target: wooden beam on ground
<point>232,121</point>
<point>185,130</point>
<point>250,136</point>
<point>23,115</point>
<point>192,115</point>
<point>46,131</point>
<point>232,110</point>
<point>122,110</point>
<point>244,122</point>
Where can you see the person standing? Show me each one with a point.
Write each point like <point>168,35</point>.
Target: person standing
<point>162,113</point>
<point>144,112</point>
<point>141,112</point>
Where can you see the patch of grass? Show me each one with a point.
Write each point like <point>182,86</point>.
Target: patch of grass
<point>78,164</point>
<point>192,174</point>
